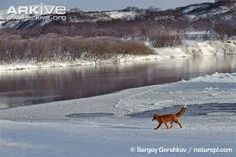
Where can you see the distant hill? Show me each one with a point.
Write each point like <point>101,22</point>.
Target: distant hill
<point>224,10</point>
<point>206,20</point>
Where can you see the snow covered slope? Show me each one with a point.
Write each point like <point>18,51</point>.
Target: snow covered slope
<point>225,10</point>
<point>21,20</point>
<point>208,10</point>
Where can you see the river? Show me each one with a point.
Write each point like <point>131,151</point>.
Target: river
<point>28,87</point>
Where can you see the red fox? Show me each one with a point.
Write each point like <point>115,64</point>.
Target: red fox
<point>169,118</point>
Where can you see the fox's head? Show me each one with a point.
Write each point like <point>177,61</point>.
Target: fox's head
<point>155,117</point>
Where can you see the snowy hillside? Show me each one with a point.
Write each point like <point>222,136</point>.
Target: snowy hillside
<point>14,20</point>
<point>193,12</point>
<point>208,10</point>
<point>73,15</point>
<point>79,16</point>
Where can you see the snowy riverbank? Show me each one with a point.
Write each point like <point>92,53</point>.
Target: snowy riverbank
<point>118,124</point>
<point>187,50</point>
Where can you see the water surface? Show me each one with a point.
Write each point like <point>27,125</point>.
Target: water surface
<point>27,87</point>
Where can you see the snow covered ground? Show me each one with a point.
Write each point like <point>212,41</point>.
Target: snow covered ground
<point>119,124</point>
<point>116,137</point>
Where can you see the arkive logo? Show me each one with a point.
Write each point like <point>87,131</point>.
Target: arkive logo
<point>37,10</point>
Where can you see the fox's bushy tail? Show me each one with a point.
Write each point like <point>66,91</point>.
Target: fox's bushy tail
<point>181,112</point>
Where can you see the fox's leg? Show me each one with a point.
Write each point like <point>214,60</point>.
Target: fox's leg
<point>158,126</point>
<point>166,126</point>
<point>171,125</point>
<point>178,123</point>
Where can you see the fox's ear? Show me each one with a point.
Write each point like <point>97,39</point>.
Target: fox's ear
<point>153,117</point>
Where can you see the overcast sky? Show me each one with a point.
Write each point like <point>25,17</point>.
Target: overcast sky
<point>103,4</point>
